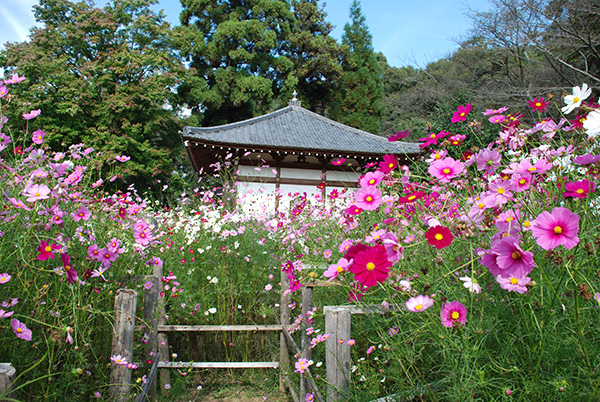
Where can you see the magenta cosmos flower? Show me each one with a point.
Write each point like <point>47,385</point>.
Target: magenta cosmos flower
<point>439,236</point>
<point>446,169</point>
<point>419,303</point>
<point>553,229</point>
<point>71,272</point>
<point>389,163</point>
<point>453,313</point>
<point>20,330</point>
<point>368,198</point>
<point>46,250</point>
<point>579,189</point>
<point>461,113</point>
<point>371,266</point>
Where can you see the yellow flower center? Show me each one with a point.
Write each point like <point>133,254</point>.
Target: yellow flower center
<point>48,249</point>
<point>455,315</point>
<point>527,224</point>
<point>516,255</point>
<point>372,181</point>
<point>439,236</point>
<point>557,230</point>
<point>340,269</point>
<point>370,266</point>
<point>369,198</point>
<point>438,156</point>
<point>391,165</point>
<point>432,135</point>
<point>480,205</point>
<point>500,190</point>
<point>576,99</point>
<point>538,104</point>
<point>514,281</point>
<point>579,191</point>
<point>419,307</point>
<point>462,114</point>
<point>67,267</point>
<point>532,169</point>
<point>522,181</point>
<point>446,171</point>
<point>19,330</point>
<point>411,197</point>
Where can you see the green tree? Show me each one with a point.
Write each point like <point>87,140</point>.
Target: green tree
<point>316,56</point>
<point>237,52</point>
<point>103,77</point>
<point>358,98</point>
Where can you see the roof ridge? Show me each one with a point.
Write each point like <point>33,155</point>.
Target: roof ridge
<point>241,123</point>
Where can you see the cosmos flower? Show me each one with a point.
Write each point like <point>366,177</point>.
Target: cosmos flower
<point>453,314</point>
<point>419,303</point>
<point>557,228</point>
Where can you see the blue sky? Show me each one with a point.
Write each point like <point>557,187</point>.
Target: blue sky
<point>407,32</point>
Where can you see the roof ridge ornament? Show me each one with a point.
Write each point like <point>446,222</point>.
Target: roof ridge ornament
<point>294,101</point>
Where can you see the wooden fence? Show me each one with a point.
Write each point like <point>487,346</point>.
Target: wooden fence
<point>337,361</point>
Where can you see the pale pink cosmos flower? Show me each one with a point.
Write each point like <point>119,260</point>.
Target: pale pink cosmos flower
<point>82,213</point>
<point>335,269</point>
<point>557,228</point>
<point>419,303</point>
<point>122,158</point>
<point>20,330</point>
<point>15,79</point>
<point>488,160</point>
<point>4,314</point>
<point>32,115</point>
<point>513,284</point>
<point>3,91</point>
<point>4,278</point>
<point>118,359</point>
<point>302,365</point>
<point>35,192</point>
<point>446,169</point>
<point>489,112</point>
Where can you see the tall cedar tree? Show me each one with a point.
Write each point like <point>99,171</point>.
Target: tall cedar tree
<point>102,77</point>
<point>358,100</point>
<point>250,55</point>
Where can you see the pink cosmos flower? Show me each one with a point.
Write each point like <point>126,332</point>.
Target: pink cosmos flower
<point>392,247</point>
<point>461,113</point>
<point>122,158</point>
<point>415,195</point>
<point>419,303</point>
<point>20,329</point>
<point>586,159</point>
<point>579,189</point>
<point>497,119</point>
<point>338,161</point>
<point>15,79</point>
<point>3,91</point>
<point>432,138</point>
<point>335,269</point>
<point>446,169</point>
<point>513,284</point>
<point>453,314</point>
<point>5,314</point>
<point>489,112</point>
<point>371,179</point>
<point>32,115</point>
<point>506,258</point>
<point>82,213</point>
<point>118,359</point>
<point>371,266</point>
<point>368,198</point>
<point>302,365</point>
<point>35,192</point>
<point>38,137</point>
<point>557,228</point>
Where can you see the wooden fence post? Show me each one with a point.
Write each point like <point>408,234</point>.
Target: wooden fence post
<point>307,305</point>
<point>337,354</point>
<point>163,342</point>
<point>151,297</point>
<point>7,376</point>
<point>285,315</point>
<point>122,343</point>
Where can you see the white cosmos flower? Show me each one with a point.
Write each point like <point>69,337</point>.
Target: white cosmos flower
<point>574,101</point>
<point>592,123</point>
<point>473,286</point>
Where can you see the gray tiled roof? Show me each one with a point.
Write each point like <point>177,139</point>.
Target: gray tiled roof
<point>294,127</point>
